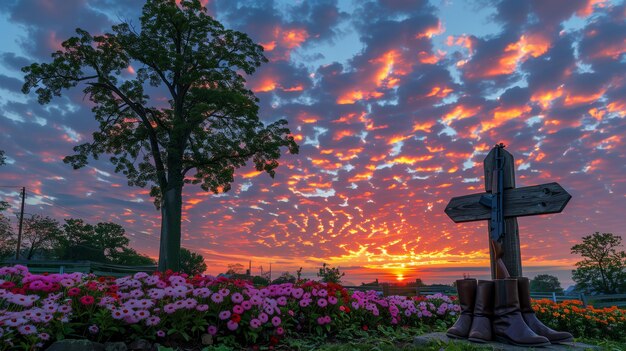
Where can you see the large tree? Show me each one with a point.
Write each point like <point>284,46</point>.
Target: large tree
<point>603,268</point>
<point>103,242</point>
<point>209,126</point>
<point>40,235</point>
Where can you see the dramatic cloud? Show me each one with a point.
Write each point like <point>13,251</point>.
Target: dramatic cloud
<point>394,114</point>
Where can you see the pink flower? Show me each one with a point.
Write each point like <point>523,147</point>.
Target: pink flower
<point>237,297</point>
<point>332,300</point>
<point>276,321</point>
<point>255,323</point>
<point>27,329</point>
<point>152,321</point>
<point>169,308</point>
<point>93,329</point>
<point>217,298</point>
<point>238,309</point>
<point>280,331</point>
<point>224,315</point>
<point>73,292</point>
<point>246,305</point>
<point>202,308</point>
<point>322,303</point>
<point>212,330</point>
<point>224,292</point>
<point>232,326</point>
<point>44,336</point>
<point>87,300</point>
<point>160,333</point>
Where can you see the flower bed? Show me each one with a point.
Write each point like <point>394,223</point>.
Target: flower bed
<point>175,309</point>
<point>583,322</point>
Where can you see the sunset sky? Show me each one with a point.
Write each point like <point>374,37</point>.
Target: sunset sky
<point>394,104</point>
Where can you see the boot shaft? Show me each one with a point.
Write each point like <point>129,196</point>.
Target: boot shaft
<point>467,294</point>
<point>523,289</point>
<point>484,298</point>
<point>506,296</point>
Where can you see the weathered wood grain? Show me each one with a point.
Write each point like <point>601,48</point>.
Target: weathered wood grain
<point>509,170</point>
<point>518,202</point>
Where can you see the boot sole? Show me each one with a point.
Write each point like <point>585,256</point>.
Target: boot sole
<point>453,336</point>
<point>506,340</point>
<point>568,340</point>
<point>480,341</point>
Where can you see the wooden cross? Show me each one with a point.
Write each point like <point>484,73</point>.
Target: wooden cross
<point>518,202</point>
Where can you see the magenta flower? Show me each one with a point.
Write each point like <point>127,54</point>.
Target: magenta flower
<point>160,333</point>
<point>212,330</point>
<point>217,298</point>
<point>322,303</point>
<point>238,309</point>
<point>280,331</point>
<point>87,300</point>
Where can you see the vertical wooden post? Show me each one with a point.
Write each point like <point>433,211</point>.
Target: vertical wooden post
<point>511,245</point>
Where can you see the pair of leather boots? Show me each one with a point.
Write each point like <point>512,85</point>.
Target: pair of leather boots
<point>501,310</point>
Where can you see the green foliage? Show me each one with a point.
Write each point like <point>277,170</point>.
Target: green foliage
<point>330,274</point>
<point>546,283</point>
<point>39,235</point>
<point>210,125</point>
<point>103,242</point>
<point>260,281</point>
<point>191,263</point>
<point>7,238</point>
<point>285,277</point>
<point>129,257</point>
<point>603,268</point>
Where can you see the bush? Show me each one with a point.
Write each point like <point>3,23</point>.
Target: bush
<point>177,309</point>
<point>583,322</point>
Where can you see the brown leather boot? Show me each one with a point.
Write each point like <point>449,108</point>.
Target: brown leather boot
<point>555,337</point>
<point>508,323</point>
<point>483,312</point>
<point>467,295</point>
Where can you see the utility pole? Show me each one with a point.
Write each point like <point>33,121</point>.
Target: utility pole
<point>19,232</point>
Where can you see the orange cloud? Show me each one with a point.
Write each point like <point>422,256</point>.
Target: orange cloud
<point>573,99</point>
<point>545,98</point>
<point>460,112</point>
<point>528,45</point>
<point>502,115</point>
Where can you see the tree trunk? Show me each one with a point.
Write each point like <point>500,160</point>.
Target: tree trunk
<point>171,209</point>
